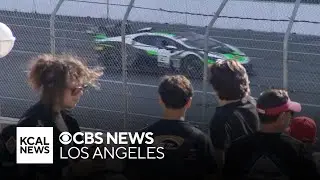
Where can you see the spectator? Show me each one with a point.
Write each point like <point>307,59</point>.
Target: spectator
<point>188,151</point>
<point>303,129</point>
<point>236,115</point>
<point>8,167</point>
<point>270,153</point>
<point>61,81</point>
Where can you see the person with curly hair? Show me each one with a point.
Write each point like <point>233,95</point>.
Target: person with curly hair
<point>61,81</point>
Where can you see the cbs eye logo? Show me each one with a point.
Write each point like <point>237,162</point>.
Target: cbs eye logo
<point>65,138</point>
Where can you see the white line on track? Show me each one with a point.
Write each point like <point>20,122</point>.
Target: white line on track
<point>87,57</point>
<point>252,57</point>
<point>141,84</point>
<point>294,61</point>
<point>26,52</point>
<point>84,107</point>
<point>91,108</point>
<point>155,86</point>
<point>46,28</point>
<point>274,50</point>
<point>107,110</point>
<point>47,20</point>
<point>263,40</point>
<point>133,84</point>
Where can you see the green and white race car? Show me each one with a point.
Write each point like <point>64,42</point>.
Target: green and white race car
<point>149,50</point>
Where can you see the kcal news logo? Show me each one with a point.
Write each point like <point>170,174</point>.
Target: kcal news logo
<point>34,145</point>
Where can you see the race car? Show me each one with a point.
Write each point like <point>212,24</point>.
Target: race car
<point>149,50</point>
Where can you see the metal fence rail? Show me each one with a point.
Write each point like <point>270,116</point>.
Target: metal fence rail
<point>128,99</point>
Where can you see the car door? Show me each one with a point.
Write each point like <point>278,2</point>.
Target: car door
<point>156,48</point>
<point>146,45</point>
<point>166,48</point>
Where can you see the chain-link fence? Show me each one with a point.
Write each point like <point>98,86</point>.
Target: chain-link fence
<point>280,40</point>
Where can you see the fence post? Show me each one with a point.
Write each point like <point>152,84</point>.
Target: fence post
<point>206,51</point>
<point>124,62</point>
<point>108,9</point>
<point>52,29</point>
<point>34,6</point>
<point>285,43</point>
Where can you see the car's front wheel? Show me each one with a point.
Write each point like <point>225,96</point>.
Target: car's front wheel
<point>192,67</point>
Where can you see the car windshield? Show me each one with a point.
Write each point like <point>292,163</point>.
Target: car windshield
<point>197,40</point>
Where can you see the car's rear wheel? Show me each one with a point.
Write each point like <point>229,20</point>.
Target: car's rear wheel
<point>192,67</point>
<point>111,61</point>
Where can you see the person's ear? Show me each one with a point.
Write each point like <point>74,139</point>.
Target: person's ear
<point>189,103</point>
<point>284,118</point>
<point>216,96</point>
<point>160,100</point>
<point>281,117</point>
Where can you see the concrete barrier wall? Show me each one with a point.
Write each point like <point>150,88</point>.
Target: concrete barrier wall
<point>239,8</point>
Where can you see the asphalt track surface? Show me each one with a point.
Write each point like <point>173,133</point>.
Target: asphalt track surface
<point>104,108</point>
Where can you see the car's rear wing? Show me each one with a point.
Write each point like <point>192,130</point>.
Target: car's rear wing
<point>147,29</point>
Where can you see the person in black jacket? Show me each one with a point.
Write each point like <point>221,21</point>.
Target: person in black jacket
<point>188,151</point>
<point>236,115</point>
<point>61,81</point>
<point>8,167</point>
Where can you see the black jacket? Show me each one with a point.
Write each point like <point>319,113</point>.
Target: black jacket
<point>41,115</point>
<point>8,166</point>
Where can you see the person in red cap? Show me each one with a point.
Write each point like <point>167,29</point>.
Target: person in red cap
<point>304,129</point>
<point>270,153</point>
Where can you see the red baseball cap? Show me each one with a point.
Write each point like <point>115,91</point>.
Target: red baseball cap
<point>303,128</point>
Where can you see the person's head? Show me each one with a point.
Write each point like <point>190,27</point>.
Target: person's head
<point>175,92</point>
<point>61,79</point>
<point>304,129</point>
<point>229,79</point>
<point>275,108</point>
